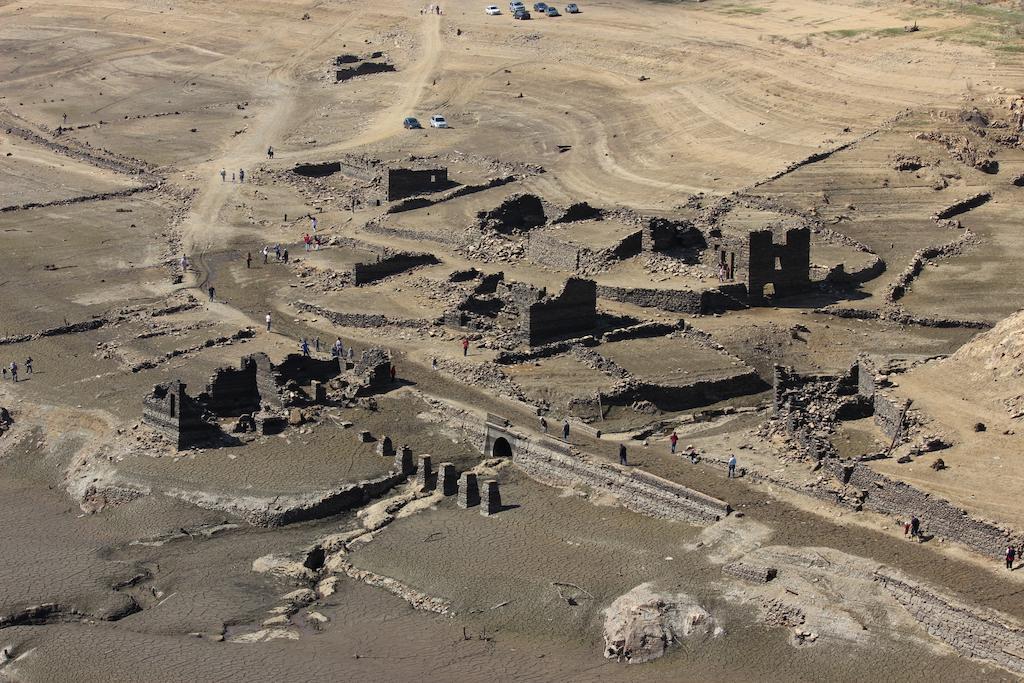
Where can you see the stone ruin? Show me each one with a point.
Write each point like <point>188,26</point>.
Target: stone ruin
<point>529,314</point>
<point>171,411</point>
<point>406,182</point>
<point>663,234</point>
<point>518,213</point>
<point>392,263</point>
<point>786,266</point>
<point>259,392</point>
<point>350,66</point>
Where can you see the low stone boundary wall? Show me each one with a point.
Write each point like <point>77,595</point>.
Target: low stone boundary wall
<point>968,630</point>
<point>84,198</point>
<point>421,202</point>
<point>962,206</point>
<point>282,510</point>
<point>896,498</point>
<point>357,319</point>
<point>392,264</point>
<point>554,464</point>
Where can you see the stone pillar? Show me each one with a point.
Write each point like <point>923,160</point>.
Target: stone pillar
<point>490,498</point>
<point>447,479</point>
<point>469,493</point>
<point>319,392</point>
<point>403,461</point>
<point>384,447</point>
<point>424,472</point>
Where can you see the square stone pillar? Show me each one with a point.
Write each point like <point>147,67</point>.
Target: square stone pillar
<point>490,498</point>
<point>447,479</point>
<point>424,472</point>
<point>319,392</point>
<point>403,461</point>
<point>469,493</point>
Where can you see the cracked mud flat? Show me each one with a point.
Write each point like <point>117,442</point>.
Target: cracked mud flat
<point>312,553</point>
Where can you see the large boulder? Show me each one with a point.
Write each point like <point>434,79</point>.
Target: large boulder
<point>642,624</point>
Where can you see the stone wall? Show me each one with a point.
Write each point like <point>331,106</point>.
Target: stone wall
<point>392,264</point>
<point>233,391</point>
<point>406,182</point>
<point>727,297</point>
<point>938,516</point>
<point>369,320</point>
<point>553,464</point>
<point>785,266</point>
<point>170,411</point>
<point>572,312</point>
<point>674,398</point>
<point>980,634</point>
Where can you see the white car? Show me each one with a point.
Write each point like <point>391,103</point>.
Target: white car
<point>438,121</point>
<point>492,10</point>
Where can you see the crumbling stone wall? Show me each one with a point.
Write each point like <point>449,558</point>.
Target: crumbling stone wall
<point>786,266</point>
<point>518,213</point>
<point>373,368</point>
<point>663,234</point>
<point>552,463</point>
<point>233,391</point>
<point>406,182</point>
<point>572,312</point>
<point>363,273</point>
<point>368,320</point>
<point>726,297</point>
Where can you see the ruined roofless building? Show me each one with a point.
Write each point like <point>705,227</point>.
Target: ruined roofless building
<point>787,266</point>
<point>544,318</point>
<point>174,414</point>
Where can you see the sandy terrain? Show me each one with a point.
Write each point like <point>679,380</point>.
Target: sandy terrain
<point>125,228</point>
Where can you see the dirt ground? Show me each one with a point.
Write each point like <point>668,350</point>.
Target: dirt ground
<point>125,129</point>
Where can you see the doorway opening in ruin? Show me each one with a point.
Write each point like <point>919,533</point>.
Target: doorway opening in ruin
<point>172,405</point>
<point>501,448</point>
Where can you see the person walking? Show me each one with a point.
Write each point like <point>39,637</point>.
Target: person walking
<point>674,440</point>
<point>241,175</point>
<point>211,291</point>
<point>394,373</point>
<point>183,262</point>
<point>1011,554</point>
<point>304,347</point>
<point>268,322</point>
<point>28,365</point>
<point>565,430</point>
<point>284,256</point>
<point>223,175</point>
<point>270,152</point>
<point>622,455</point>
<point>248,259</point>
<point>266,253</point>
<point>465,346</point>
<point>14,371</point>
<point>915,527</point>
<point>316,344</point>
<point>543,424</point>
<point>732,466</point>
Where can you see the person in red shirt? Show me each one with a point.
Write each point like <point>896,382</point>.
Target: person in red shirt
<point>465,346</point>
<point>674,439</point>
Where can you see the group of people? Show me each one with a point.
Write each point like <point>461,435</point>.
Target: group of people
<point>433,9</point>
<point>279,254</point>
<point>13,368</point>
<point>241,174</point>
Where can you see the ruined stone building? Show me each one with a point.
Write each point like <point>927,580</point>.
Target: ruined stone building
<point>543,318</point>
<point>787,266</point>
<point>406,182</point>
<point>170,411</point>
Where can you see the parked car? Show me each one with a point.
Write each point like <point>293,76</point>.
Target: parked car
<point>572,8</point>
<point>521,14</point>
<point>553,12</point>
<point>540,7</point>
<point>515,6</point>
<point>411,122</point>
<point>492,10</point>
<point>438,121</point>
